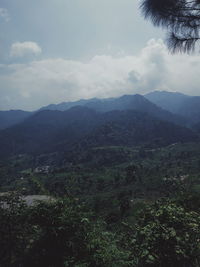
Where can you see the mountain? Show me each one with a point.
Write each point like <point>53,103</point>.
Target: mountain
<point>12,117</point>
<point>44,129</point>
<point>196,127</point>
<point>171,101</point>
<point>53,131</point>
<point>177,103</point>
<point>127,102</point>
<point>129,128</point>
<point>190,109</point>
<point>67,105</point>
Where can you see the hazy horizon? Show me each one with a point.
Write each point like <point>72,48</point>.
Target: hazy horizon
<point>58,51</point>
<point>102,98</point>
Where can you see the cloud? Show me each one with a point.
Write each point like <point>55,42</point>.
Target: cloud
<point>23,49</point>
<point>4,14</point>
<point>37,83</point>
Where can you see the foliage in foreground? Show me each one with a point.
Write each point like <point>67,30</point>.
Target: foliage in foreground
<point>165,235</point>
<point>180,18</point>
<point>62,233</point>
<point>55,234</point>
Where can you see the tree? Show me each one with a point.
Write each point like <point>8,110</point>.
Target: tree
<point>180,17</point>
<point>165,235</point>
<point>14,230</point>
<point>59,233</point>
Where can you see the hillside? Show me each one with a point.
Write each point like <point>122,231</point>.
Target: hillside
<point>190,109</point>
<point>42,130</point>
<point>177,103</point>
<point>51,131</point>
<point>171,101</point>
<point>196,127</point>
<point>67,105</point>
<point>127,102</point>
<point>12,117</point>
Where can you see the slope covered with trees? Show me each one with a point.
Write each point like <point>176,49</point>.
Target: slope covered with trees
<point>126,102</point>
<point>120,188</point>
<point>183,105</point>
<point>12,117</point>
<point>52,131</point>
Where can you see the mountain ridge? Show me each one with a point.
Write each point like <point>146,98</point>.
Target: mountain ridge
<point>133,102</point>
<point>177,103</point>
<point>51,131</point>
<point>12,117</point>
<point>171,106</point>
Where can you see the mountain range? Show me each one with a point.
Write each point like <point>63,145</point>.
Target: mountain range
<point>52,131</point>
<point>12,117</point>
<point>134,102</point>
<point>128,120</point>
<point>177,103</point>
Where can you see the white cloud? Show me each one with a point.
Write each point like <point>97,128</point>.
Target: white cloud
<point>38,83</point>
<point>23,49</point>
<point>4,14</point>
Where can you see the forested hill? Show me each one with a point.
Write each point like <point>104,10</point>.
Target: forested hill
<point>130,128</point>
<point>51,131</point>
<point>126,102</point>
<point>196,127</point>
<point>11,117</point>
<point>177,103</point>
<point>171,101</point>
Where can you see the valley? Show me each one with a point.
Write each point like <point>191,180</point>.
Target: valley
<point>109,166</point>
<point>102,149</point>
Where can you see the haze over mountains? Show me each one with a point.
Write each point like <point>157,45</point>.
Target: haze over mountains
<point>53,131</point>
<point>177,103</point>
<point>128,120</point>
<point>127,102</point>
<point>173,102</point>
<point>12,117</point>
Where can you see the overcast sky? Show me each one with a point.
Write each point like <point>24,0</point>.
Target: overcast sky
<point>59,50</point>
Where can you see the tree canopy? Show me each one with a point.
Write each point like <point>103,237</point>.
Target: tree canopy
<point>180,17</point>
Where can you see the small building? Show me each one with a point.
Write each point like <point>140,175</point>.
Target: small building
<point>42,169</point>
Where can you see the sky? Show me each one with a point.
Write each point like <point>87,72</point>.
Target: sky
<point>53,51</point>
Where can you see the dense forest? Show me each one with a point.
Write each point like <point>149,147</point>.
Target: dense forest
<point>106,183</point>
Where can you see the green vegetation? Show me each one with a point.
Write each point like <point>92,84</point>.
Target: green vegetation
<point>111,206</point>
<point>64,233</point>
<point>83,188</point>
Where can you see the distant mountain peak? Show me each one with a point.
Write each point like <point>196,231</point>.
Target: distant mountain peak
<point>177,103</point>
<point>12,117</point>
<point>165,93</point>
<point>158,104</point>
